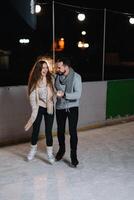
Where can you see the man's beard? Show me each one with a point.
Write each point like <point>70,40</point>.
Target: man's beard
<point>60,73</point>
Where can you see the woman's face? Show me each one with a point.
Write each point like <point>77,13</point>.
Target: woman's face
<point>44,70</point>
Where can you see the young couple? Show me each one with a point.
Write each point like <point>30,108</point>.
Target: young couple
<point>66,85</point>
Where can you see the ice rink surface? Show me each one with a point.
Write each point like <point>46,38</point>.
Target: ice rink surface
<point>105,172</point>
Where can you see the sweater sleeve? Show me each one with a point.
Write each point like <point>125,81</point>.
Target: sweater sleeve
<point>33,101</point>
<point>77,89</point>
<point>34,105</point>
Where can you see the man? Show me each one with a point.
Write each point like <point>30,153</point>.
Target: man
<point>68,84</point>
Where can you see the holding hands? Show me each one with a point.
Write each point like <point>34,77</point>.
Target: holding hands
<point>60,93</point>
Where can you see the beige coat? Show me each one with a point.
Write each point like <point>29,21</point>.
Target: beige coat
<point>34,102</point>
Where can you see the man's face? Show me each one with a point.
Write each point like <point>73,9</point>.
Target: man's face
<point>60,68</point>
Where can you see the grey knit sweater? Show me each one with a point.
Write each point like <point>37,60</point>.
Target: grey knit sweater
<point>71,99</point>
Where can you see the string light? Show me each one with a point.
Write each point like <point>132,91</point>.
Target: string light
<point>37,8</point>
<point>83,33</point>
<point>81,17</point>
<point>131,20</point>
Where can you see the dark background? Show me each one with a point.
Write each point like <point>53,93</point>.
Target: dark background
<point>17,22</point>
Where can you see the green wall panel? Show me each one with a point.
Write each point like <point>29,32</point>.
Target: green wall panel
<point>120,98</point>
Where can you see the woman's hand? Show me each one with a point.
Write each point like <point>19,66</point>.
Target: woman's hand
<point>28,125</point>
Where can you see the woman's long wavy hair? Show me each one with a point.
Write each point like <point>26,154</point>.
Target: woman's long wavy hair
<point>35,76</point>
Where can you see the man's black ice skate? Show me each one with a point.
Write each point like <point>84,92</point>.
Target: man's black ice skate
<point>60,154</point>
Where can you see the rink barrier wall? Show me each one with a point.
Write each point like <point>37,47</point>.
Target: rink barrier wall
<point>95,109</point>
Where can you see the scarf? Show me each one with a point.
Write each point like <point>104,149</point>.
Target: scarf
<point>65,80</point>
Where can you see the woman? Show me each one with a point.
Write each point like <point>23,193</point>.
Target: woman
<point>41,95</point>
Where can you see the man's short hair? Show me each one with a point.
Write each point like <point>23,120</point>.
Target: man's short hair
<point>65,60</point>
